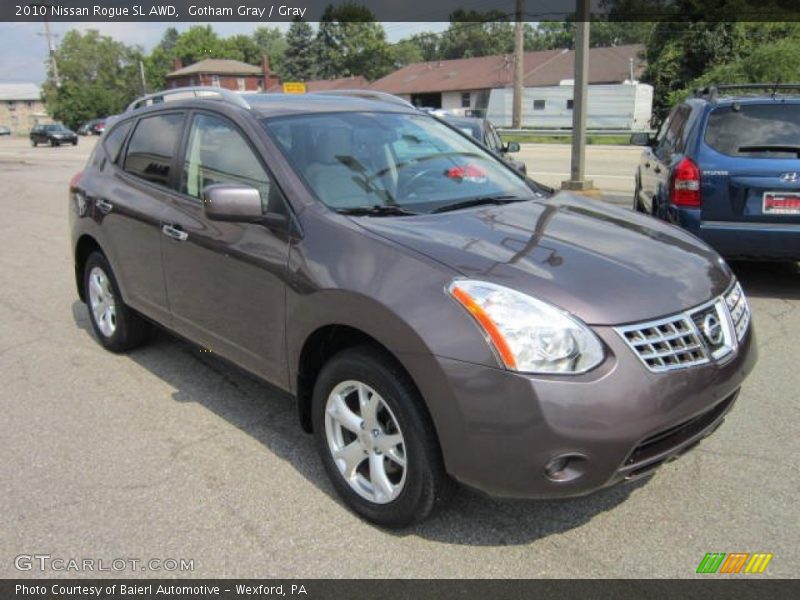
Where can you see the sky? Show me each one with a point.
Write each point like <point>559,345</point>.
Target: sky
<point>23,48</point>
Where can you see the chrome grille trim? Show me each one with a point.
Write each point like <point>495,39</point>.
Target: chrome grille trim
<point>679,341</point>
<point>739,310</point>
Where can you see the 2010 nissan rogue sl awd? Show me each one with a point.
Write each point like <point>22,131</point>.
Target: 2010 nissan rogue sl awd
<point>438,316</point>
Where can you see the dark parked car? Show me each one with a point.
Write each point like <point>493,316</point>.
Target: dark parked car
<point>484,131</point>
<point>5,130</point>
<point>725,167</point>
<point>53,134</point>
<point>437,316</point>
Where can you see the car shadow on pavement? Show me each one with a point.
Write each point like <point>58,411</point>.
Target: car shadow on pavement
<point>769,279</point>
<point>269,416</point>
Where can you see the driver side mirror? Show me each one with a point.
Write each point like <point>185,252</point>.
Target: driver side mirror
<point>511,147</point>
<point>642,139</point>
<point>231,202</point>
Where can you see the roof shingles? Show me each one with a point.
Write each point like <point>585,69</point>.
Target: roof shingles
<point>545,68</point>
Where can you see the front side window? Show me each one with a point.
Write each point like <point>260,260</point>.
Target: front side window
<point>152,147</point>
<point>411,161</point>
<point>756,130</point>
<point>217,153</point>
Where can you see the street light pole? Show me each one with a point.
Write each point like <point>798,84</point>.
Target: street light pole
<point>519,67</point>
<point>577,179</point>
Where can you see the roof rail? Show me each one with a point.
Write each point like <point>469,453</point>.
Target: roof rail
<point>196,91</point>
<point>712,91</point>
<point>369,95</point>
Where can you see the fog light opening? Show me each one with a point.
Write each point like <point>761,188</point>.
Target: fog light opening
<point>565,468</point>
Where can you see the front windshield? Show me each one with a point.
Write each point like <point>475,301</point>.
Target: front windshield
<point>353,160</point>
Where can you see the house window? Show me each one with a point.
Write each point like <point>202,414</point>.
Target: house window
<point>538,105</point>
<point>466,100</point>
<point>29,104</point>
<point>215,80</point>
<point>12,105</point>
<point>240,84</point>
<point>569,104</point>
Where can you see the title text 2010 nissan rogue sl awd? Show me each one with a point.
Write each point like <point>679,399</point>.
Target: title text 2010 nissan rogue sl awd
<point>438,316</point>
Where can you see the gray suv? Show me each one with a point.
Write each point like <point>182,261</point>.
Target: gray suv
<point>439,317</point>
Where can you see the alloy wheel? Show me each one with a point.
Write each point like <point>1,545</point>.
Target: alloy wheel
<point>101,301</point>
<point>365,442</point>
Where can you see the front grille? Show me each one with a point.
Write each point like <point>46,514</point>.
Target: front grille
<point>667,344</point>
<point>695,337</point>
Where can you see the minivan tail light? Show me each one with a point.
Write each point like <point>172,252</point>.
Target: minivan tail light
<point>685,185</point>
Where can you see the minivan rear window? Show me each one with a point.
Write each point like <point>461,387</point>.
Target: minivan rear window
<point>756,130</point>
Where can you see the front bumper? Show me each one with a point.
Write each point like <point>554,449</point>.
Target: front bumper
<point>502,429</point>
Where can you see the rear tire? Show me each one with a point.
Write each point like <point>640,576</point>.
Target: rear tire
<point>388,467</point>
<point>117,327</point>
<point>637,203</point>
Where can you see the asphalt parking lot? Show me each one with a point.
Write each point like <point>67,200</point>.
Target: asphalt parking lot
<point>170,453</point>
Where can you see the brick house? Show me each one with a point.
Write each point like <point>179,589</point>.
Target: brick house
<point>21,106</point>
<point>217,72</point>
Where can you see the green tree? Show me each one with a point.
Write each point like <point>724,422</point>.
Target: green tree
<point>679,53</point>
<point>405,52</point>
<point>271,41</point>
<point>160,61</point>
<point>472,33</point>
<point>98,76</point>
<point>350,42</point>
<point>198,43</point>
<point>241,47</point>
<point>298,59</point>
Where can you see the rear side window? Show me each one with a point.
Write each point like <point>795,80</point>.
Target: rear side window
<point>755,130</point>
<point>115,138</point>
<point>152,147</point>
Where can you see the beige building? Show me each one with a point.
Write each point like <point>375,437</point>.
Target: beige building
<point>21,106</point>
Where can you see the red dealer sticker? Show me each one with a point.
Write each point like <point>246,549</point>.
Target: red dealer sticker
<point>781,203</point>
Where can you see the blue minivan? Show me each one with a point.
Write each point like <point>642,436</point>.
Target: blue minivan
<point>725,165</point>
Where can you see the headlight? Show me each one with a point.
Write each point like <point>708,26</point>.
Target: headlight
<point>529,335</point>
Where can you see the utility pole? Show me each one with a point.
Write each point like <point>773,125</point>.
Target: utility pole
<point>144,80</point>
<point>519,67</point>
<point>577,179</point>
<point>51,50</point>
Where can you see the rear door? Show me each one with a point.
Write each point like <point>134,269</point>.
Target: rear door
<point>226,281</point>
<point>129,202</point>
<point>750,158</point>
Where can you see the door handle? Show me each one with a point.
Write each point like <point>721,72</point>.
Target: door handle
<point>104,206</point>
<point>174,232</point>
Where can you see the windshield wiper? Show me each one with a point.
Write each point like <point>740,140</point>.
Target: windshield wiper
<point>378,210</point>
<point>789,149</point>
<point>478,202</point>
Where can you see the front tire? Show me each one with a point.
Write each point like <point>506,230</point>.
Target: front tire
<point>376,440</point>
<point>117,327</point>
<point>33,143</point>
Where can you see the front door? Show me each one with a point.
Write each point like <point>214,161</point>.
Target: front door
<point>226,281</point>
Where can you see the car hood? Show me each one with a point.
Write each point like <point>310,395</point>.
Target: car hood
<point>604,264</point>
